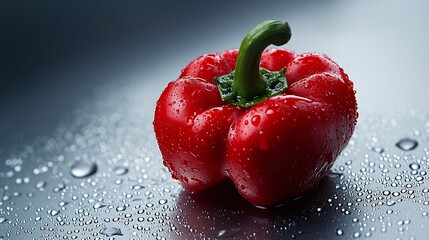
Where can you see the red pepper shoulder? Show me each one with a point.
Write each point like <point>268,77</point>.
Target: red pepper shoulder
<point>209,66</point>
<point>307,64</point>
<point>276,59</point>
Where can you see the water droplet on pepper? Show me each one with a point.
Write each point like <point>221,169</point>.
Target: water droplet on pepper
<point>256,120</point>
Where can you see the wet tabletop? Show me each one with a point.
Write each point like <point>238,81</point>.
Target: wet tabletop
<point>78,156</point>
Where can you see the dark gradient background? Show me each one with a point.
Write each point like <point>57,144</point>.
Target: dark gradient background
<point>57,57</point>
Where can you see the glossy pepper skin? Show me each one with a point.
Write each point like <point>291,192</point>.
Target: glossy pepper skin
<point>273,151</point>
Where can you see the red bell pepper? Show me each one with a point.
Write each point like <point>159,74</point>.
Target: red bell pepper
<point>272,121</point>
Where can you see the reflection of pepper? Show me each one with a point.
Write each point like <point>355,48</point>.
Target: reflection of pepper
<point>274,132</point>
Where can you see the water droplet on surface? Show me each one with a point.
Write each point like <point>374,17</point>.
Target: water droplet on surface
<point>121,208</point>
<point>407,144</point>
<point>83,169</point>
<point>339,231</point>
<point>2,220</point>
<point>226,233</point>
<point>414,166</point>
<point>98,205</point>
<point>120,170</point>
<point>138,187</point>
<point>111,231</point>
<point>54,212</point>
<point>41,184</point>
<point>59,187</point>
<point>378,149</point>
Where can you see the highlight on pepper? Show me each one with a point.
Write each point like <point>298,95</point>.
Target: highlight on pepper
<point>272,121</point>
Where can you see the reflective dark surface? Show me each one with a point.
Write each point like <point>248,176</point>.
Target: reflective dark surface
<point>79,81</point>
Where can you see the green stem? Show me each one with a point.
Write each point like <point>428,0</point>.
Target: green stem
<point>248,82</point>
